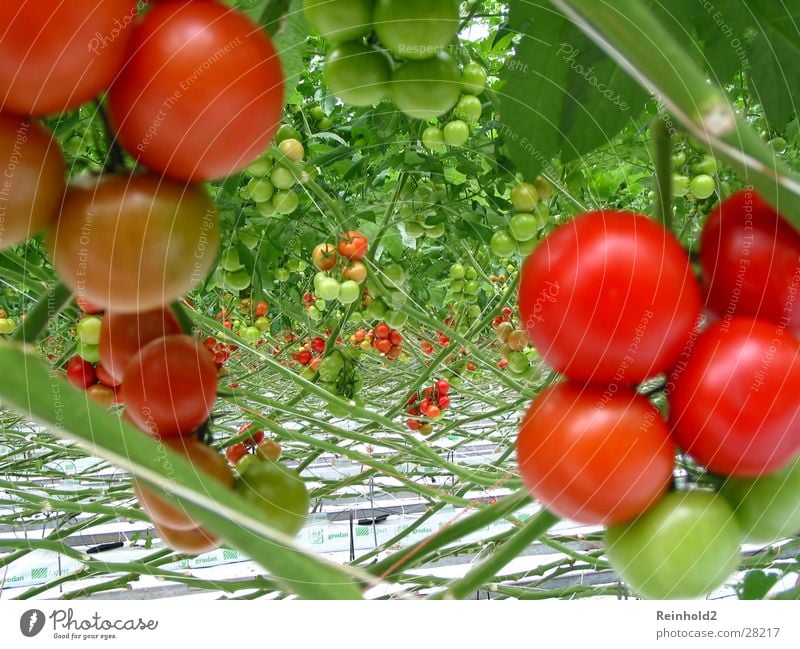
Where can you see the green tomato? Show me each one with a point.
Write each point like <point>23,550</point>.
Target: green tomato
<point>317,114</point>
<point>230,260</point>
<point>473,78</point>
<point>330,367</point>
<point>502,243</point>
<point>543,188</point>
<point>236,281</point>
<point>287,132</point>
<point>767,507</point>
<point>250,334</point>
<point>470,273</point>
<point>249,239</point>
<point>358,74</point>
<point>356,317</point>
<point>472,287</point>
<point>457,271</point>
<point>349,292</point>
<point>314,313</point>
<point>7,326</point>
<point>260,168</point>
<point>456,133</point>
<point>679,159</point>
<point>778,145</point>
<point>260,190</point>
<point>433,138</point>
<point>328,288</point>
<point>324,124</point>
<point>397,299</point>
<point>282,274</point>
<point>282,178</point>
<point>293,264</point>
<point>396,319</point>
<point>266,209</point>
<point>435,231</point>
<point>457,286</point>
<point>395,275</point>
<point>285,202</point>
<point>518,362</point>
<point>416,29</point>
<point>276,494</point>
<point>89,329</point>
<point>474,311</point>
<point>261,323</point>
<point>702,186</point>
<point>524,197</point>
<point>376,310</point>
<point>339,20</point>
<point>525,248</point>
<point>683,547</point>
<point>680,185</point>
<point>708,166</point>
<point>469,108</point>
<point>89,353</point>
<point>524,226</point>
<point>426,89</point>
<point>320,304</point>
<point>414,229</point>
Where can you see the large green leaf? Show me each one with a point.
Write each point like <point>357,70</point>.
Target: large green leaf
<point>562,96</point>
<point>39,395</point>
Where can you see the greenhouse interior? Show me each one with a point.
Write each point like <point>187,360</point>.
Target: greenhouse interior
<point>399,300</point>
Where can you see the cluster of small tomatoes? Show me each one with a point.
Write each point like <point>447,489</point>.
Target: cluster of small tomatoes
<point>311,353</point>
<point>387,341</point>
<point>351,249</point>
<point>610,300</point>
<point>133,242</point>
<point>412,66</point>
<point>435,401</point>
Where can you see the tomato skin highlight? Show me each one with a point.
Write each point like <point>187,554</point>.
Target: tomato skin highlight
<point>593,455</point>
<point>684,547</point>
<point>170,386</point>
<point>56,55</point>
<point>733,404</point>
<point>133,243</point>
<point>123,334</point>
<point>201,95</point>
<point>592,312</point>
<point>33,179</point>
<point>750,256</point>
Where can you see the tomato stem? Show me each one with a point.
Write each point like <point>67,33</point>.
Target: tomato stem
<point>662,155</point>
<point>115,158</point>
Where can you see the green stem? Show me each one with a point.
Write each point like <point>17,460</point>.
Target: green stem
<point>662,155</point>
<point>48,306</point>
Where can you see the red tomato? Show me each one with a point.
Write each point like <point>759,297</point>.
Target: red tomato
<point>595,455</point>
<point>236,452</point>
<point>413,424</point>
<point>318,345</point>
<point>395,337</point>
<point>201,94</point>
<point>33,178</point>
<point>443,386</point>
<point>609,296</point>
<point>394,353</point>
<point>104,377</point>
<point>170,386</point>
<point>383,345</point>
<point>444,403</point>
<point>750,257</point>
<point>56,55</point>
<point>382,330</point>
<point>122,335</point>
<point>195,541</point>
<point>353,245</point>
<point>434,412</point>
<point>81,373</point>
<point>733,403</point>
<point>134,243</point>
<point>324,257</point>
<point>262,309</point>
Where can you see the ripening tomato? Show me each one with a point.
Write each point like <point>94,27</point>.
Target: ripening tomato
<point>201,94</point>
<point>356,271</point>
<point>134,243</point>
<point>102,394</point>
<point>170,386</point>
<point>194,541</point>
<point>81,373</point>
<point>206,460</point>
<point>122,335</point>
<point>56,55</point>
<point>33,178</point>
<point>276,493</point>
<point>353,245</point>
<point>609,296</point>
<point>733,403</point>
<point>595,455</point>
<point>324,256</point>
<point>750,257</point>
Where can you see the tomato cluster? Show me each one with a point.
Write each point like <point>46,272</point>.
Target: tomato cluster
<point>594,450</point>
<point>387,341</point>
<point>423,80</point>
<point>530,204</point>
<point>435,401</point>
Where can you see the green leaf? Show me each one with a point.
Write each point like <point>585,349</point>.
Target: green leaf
<point>42,396</point>
<point>291,43</point>
<point>757,584</point>
<point>562,97</point>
